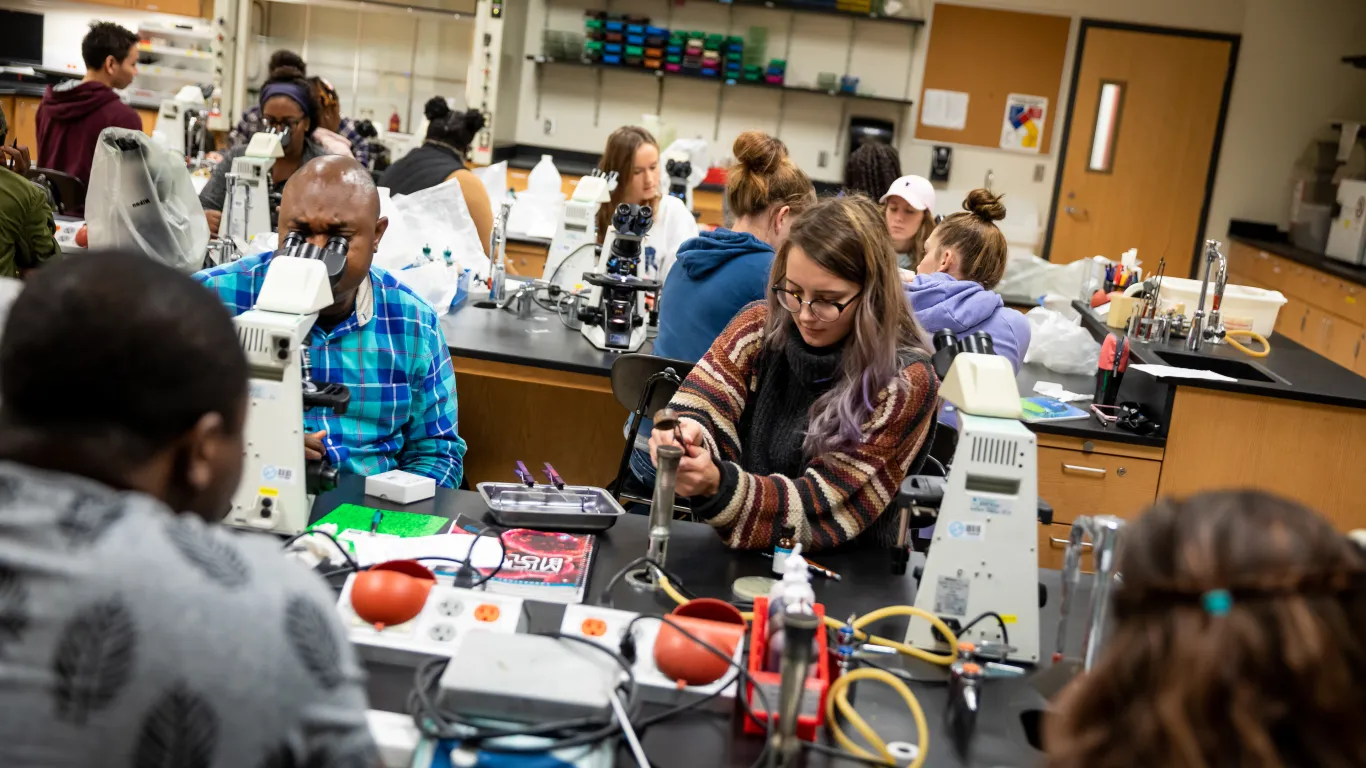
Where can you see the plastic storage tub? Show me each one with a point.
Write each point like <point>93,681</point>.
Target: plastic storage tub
<point>1244,307</point>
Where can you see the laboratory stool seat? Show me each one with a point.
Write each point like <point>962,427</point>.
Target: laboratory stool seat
<point>642,384</point>
<point>66,193</point>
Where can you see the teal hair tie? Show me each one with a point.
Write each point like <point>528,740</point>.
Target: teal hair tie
<point>1217,602</point>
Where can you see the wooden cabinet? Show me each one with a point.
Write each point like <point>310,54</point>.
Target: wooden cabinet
<point>191,8</point>
<point>1089,478</point>
<point>1324,313</point>
<point>23,123</point>
<point>526,259</point>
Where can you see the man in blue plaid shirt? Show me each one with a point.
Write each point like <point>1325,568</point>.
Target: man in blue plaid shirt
<point>379,339</point>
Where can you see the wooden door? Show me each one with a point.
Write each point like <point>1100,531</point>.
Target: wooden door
<point>1144,183</point>
<point>1292,322</point>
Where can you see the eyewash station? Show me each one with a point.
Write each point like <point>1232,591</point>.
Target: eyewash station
<point>533,623</point>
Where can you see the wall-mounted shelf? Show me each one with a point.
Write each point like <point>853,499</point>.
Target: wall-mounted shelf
<point>662,75</point>
<point>779,6</point>
<point>1357,61</point>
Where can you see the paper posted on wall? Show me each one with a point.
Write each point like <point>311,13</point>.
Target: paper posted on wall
<point>944,109</point>
<point>1022,125</point>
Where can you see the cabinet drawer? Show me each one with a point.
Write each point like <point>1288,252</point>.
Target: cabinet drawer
<point>1053,545</point>
<point>1079,483</point>
<point>1293,320</point>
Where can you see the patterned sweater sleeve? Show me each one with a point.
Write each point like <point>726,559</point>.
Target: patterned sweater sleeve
<point>839,494</point>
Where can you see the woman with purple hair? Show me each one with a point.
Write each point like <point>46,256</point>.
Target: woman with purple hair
<point>810,408</point>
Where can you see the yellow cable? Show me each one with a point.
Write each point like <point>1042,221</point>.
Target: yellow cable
<point>837,698</point>
<point>944,659</point>
<point>1257,337</point>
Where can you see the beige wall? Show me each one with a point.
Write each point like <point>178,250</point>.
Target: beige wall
<point>1291,84</point>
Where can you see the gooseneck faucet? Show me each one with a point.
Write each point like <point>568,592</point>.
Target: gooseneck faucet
<point>1211,329</point>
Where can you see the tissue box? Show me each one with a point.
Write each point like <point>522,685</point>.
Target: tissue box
<point>400,487</point>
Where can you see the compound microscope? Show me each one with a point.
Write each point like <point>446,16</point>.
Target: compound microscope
<point>277,481</point>
<point>614,313</point>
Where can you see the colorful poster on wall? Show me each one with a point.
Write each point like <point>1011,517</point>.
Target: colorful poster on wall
<point>1022,128</point>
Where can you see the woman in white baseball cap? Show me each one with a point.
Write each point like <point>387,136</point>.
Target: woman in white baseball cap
<point>908,209</point>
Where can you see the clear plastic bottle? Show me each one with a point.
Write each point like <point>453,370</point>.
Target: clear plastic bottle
<point>544,179</point>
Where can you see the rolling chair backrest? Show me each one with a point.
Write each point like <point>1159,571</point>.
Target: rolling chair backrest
<point>66,192</point>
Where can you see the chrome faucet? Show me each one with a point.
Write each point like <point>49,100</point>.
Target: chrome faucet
<point>1211,329</point>
<point>1105,533</point>
<point>498,238</point>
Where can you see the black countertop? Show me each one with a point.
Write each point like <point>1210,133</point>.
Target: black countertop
<point>22,89</point>
<point>708,568</point>
<point>1304,375</point>
<point>1090,429</point>
<point>540,342</point>
<point>1350,272</point>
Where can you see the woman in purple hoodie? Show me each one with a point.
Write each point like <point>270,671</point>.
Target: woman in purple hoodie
<point>965,258</point>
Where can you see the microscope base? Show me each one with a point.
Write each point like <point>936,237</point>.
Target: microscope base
<point>597,336</point>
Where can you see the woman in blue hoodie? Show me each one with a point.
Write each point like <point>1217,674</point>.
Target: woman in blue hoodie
<point>965,258</point>
<point>718,273</point>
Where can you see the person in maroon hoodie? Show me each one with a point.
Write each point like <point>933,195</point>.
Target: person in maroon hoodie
<point>73,114</point>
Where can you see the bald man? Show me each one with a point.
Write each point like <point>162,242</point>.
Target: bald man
<point>378,338</point>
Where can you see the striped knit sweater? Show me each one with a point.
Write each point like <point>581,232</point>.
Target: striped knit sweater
<point>832,498</point>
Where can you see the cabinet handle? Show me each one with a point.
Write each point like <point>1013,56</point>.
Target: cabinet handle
<point>1062,543</point>
<point>1325,330</point>
<point>1088,470</point>
<point>1303,319</point>
<point>1357,354</point>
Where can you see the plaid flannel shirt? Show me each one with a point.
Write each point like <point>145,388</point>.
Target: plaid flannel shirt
<point>252,123</point>
<point>394,359</point>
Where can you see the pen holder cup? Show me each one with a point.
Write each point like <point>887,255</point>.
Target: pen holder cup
<point>716,623</point>
<point>812,712</point>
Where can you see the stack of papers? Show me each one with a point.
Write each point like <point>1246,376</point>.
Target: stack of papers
<point>1172,372</point>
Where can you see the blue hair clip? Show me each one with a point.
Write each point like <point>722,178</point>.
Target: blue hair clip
<point>1217,602</point>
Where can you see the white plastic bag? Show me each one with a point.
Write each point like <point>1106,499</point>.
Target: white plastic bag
<point>436,219</point>
<point>141,199</point>
<point>1060,344</point>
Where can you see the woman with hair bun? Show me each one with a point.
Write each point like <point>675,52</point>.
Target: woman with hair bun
<point>442,157</point>
<point>1236,639</point>
<point>289,108</point>
<point>718,273</point>
<point>965,258</point>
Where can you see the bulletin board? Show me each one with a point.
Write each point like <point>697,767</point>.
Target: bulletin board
<point>991,56</point>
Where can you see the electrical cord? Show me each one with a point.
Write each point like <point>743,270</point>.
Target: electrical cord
<point>566,259</point>
<point>743,675</point>
<point>677,594</point>
<point>434,722</point>
<point>464,563</point>
<point>1005,633</point>
<point>316,532</point>
<point>840,754</point>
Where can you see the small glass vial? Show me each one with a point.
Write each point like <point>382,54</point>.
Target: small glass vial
<point>783,548</point>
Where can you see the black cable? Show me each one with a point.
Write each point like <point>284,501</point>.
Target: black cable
<point>566,259</point>
<point>901,673</point>
<point>606,593</point>
<point>435,723</point>
<point>463,563</point>
<point>1005,634</point>
<point>835,752</point>
<point>314,531</point>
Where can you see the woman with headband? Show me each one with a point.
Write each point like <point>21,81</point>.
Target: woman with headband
<point>288,108</point>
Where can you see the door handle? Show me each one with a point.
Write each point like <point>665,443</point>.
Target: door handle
<point>1062,543</point>
<point>1088,470</point>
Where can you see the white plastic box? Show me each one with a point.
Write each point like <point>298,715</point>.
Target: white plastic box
<point>1244,307</point>
<point>400,487</point>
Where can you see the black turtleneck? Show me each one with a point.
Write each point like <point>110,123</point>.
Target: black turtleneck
<point>773,425</point>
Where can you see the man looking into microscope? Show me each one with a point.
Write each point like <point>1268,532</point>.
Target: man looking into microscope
<point>378,338</point>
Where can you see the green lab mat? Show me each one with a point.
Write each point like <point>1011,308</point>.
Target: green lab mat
<point>354,517</point>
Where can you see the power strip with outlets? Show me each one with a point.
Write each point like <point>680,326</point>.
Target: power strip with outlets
<point>449,614</point>
<point>607,626</point>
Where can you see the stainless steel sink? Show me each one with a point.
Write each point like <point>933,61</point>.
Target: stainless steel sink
<point>1238,369</point>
